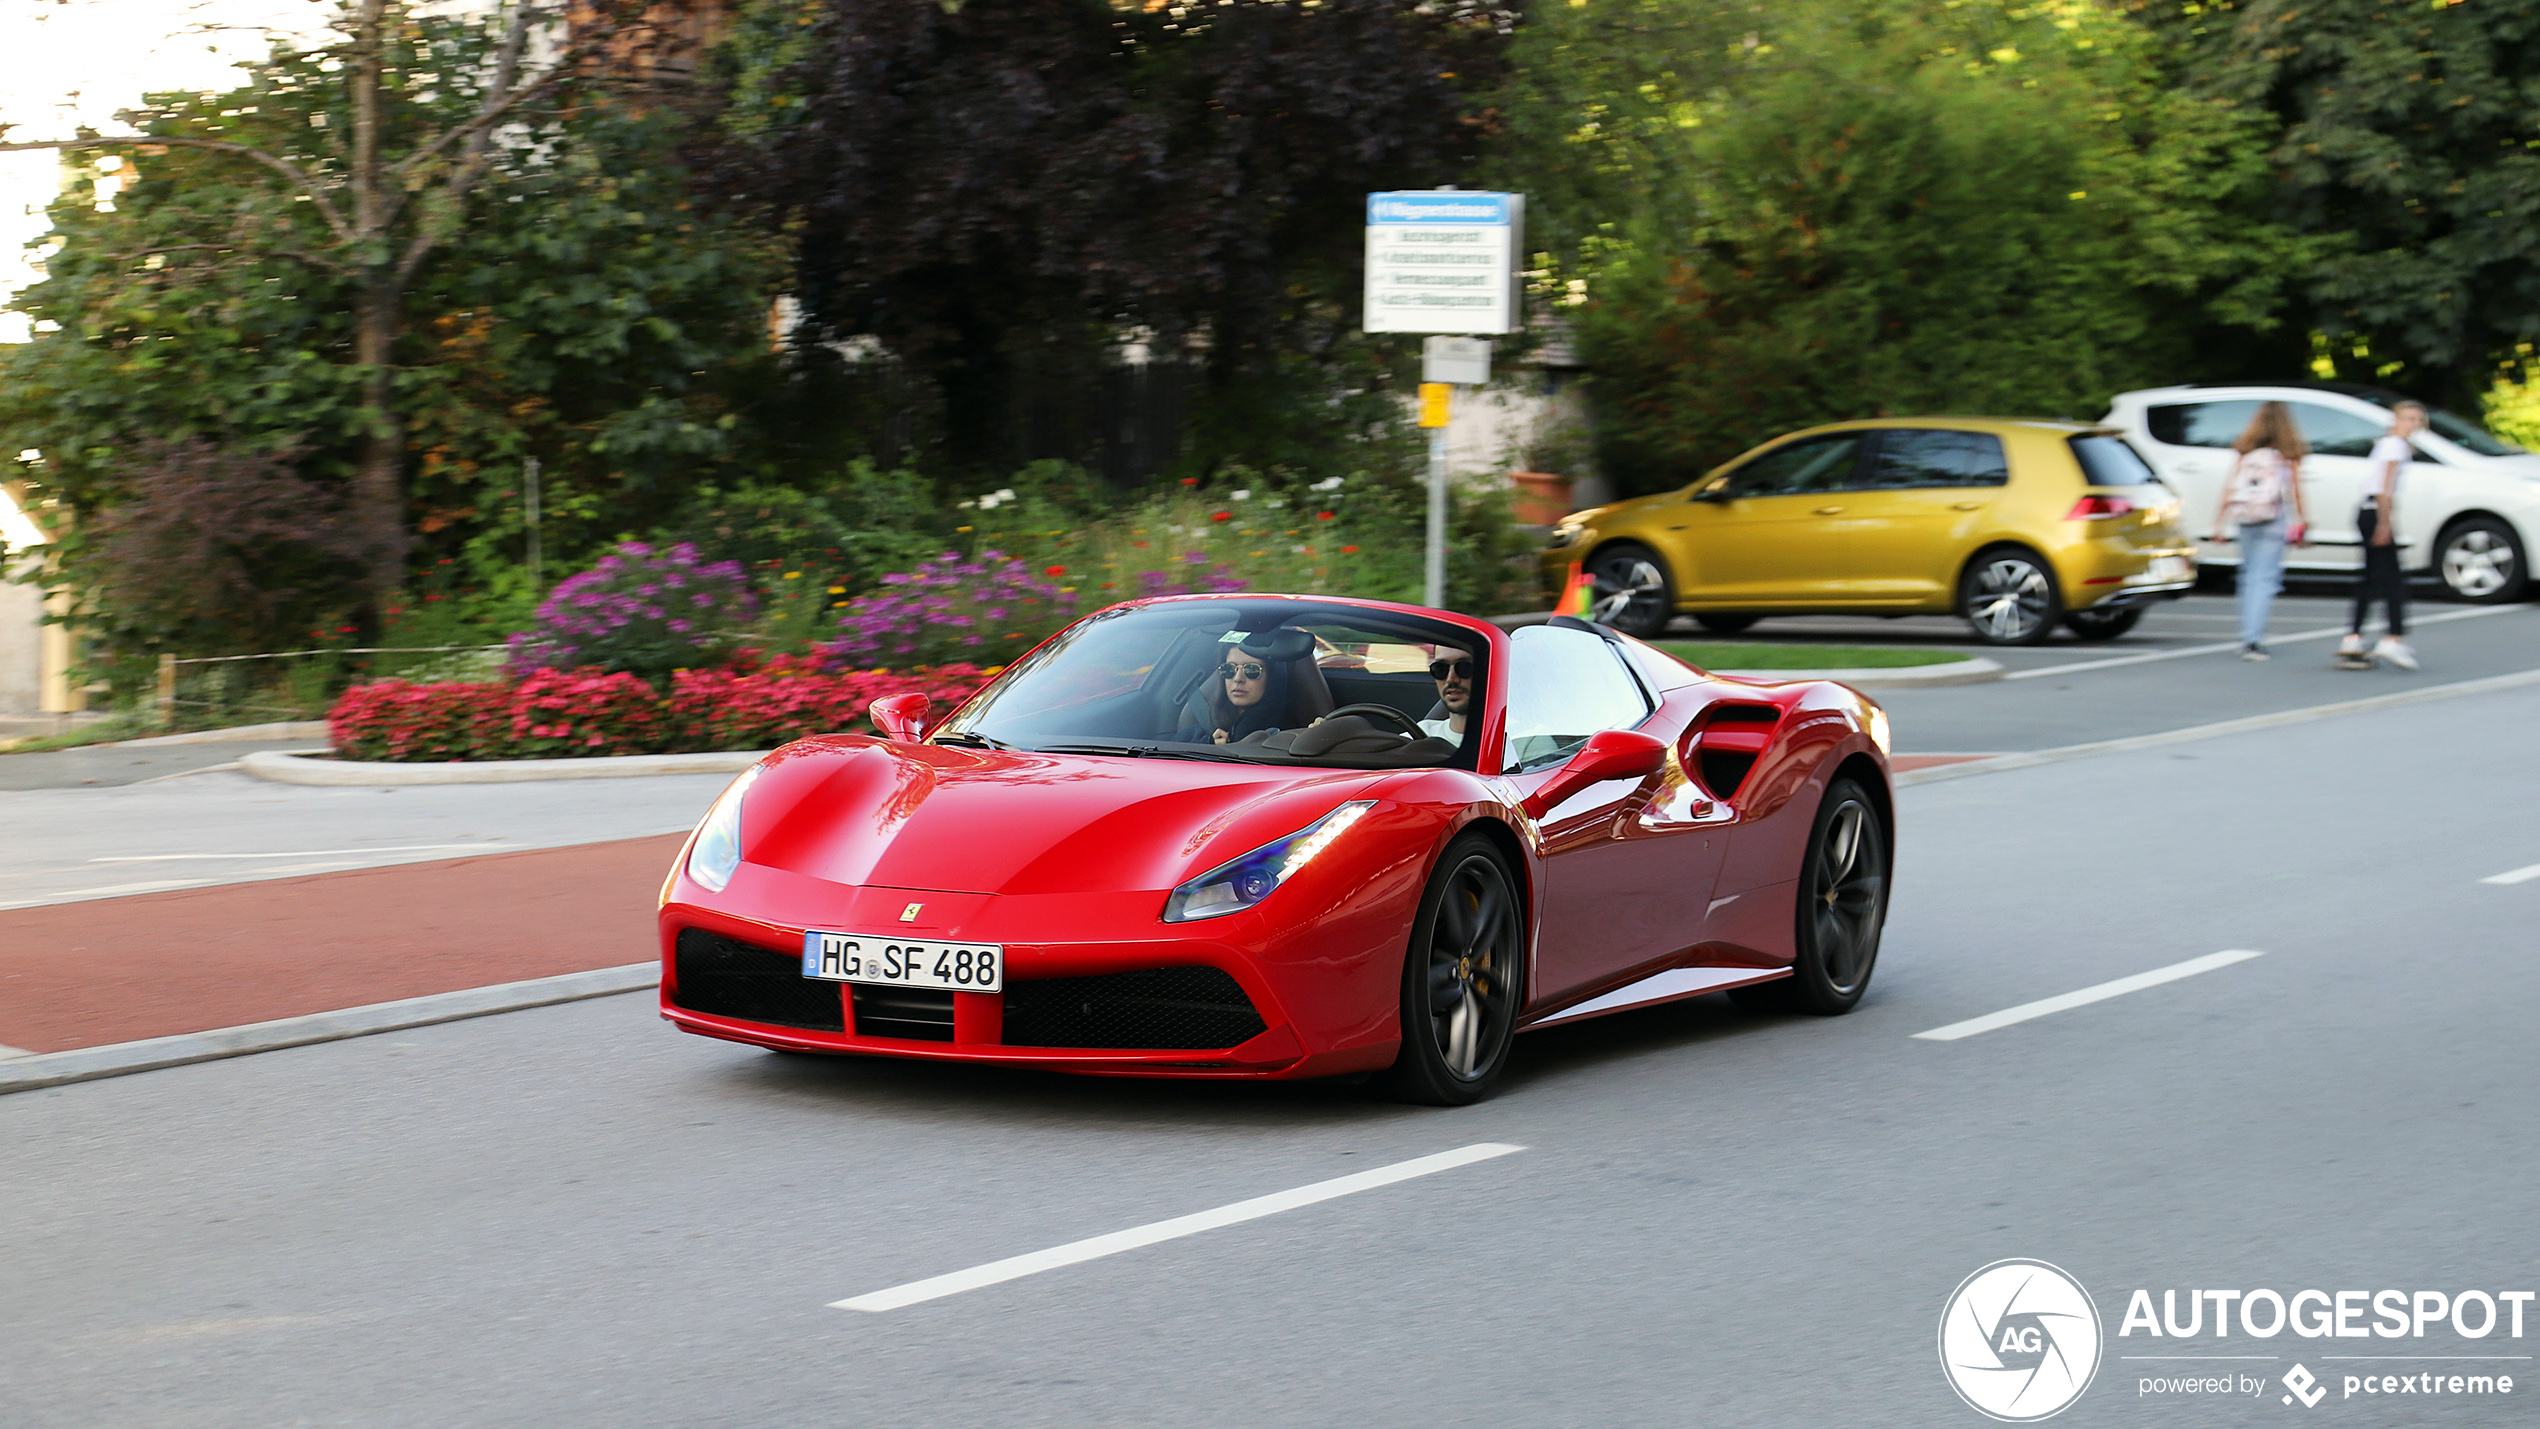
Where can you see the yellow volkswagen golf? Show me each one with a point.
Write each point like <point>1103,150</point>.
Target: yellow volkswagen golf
<point>2015,525</point>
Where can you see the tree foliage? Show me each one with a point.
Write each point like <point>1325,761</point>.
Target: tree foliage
<point>993,186</point>
<point>2407,136</point>
<point>570,307</point>
<point>1911,210</point>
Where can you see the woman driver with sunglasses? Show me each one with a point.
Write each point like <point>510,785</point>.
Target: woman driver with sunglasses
<point>1453,670</point>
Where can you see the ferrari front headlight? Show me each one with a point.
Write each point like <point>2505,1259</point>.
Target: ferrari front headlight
<point>716,854</point>
<point>1240,883</point>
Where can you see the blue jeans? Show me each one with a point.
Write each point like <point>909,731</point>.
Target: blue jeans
<point>2261,575</point>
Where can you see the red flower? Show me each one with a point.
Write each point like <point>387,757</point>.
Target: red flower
<point>1054,572</point>
<point>1349,550</point>
<point>1190,481</point>
<point>1221,516</point>
<point>1322,515</point>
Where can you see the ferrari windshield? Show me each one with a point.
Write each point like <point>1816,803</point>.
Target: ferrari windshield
<point>1267,680</point>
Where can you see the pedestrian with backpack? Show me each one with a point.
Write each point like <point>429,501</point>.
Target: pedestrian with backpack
<point>2262,512</point>
<point>2378,524</point>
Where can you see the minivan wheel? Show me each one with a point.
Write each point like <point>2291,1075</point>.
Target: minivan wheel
<point>2008,597</point>
<point>2481,561</point>
<point>1633,593</point>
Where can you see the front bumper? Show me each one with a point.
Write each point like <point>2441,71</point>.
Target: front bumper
<point>1325,990</point>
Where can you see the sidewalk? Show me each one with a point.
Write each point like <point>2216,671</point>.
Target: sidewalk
<point>117,970</point>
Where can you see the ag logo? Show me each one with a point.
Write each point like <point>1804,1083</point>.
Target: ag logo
<point>2019,1340</point>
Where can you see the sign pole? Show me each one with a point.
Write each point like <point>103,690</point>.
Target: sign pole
<point>1433,592</point>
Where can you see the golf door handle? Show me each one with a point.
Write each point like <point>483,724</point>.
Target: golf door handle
<point>1829,510</point>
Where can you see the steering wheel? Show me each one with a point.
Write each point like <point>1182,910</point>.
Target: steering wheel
<point>1401,721</point>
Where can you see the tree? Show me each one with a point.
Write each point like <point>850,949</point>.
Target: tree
<point>555,296</point>
<point>991,185</point>
<point>2403,135</point>
<point>400,133</point>
<point>1919,209</point>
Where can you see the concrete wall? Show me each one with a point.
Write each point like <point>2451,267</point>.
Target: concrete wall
<point>21,646</point>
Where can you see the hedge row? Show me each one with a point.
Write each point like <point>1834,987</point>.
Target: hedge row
<point>558,714</point>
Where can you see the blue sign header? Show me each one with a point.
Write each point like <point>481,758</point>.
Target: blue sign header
<point>1437,206</point>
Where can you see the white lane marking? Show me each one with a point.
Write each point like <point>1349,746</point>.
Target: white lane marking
<point>2083,998</point>
<point>2329,632</point>
<point>2514,875</point>
<point>1016,1267</point>
<point>110,890</point>
<point>303,853</point>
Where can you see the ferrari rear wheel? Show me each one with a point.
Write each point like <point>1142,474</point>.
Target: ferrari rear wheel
<point>1462,981</point>
<point>1842,907</point>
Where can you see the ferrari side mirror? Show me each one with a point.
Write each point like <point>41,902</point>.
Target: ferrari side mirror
<point>1608,754</point>
<point>900,717</point>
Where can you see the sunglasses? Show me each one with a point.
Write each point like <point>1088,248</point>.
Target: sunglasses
<point>1245,671</point>
<point>1450,669</point>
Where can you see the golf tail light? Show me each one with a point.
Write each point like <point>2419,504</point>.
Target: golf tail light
<point>717,851</point>
<point>1239,883</point>
<point>2099,508</point>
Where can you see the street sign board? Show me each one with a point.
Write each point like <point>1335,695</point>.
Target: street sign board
<point>1436,399</point>
<point>1443,260</point>
<point>1464,360</point>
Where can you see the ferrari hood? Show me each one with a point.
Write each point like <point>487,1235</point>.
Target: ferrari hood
<point>853,810</point>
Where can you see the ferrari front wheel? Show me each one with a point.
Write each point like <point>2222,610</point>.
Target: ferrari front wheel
<point>1462,981</point>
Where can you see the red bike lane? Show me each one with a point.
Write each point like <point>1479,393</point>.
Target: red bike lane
<point>155,964</point>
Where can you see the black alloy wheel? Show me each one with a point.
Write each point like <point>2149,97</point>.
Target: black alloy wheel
<point>2095,624</point>
<point>1842,907</point>
<point>1463,980</point>
<point>2008,597</point>
<point>1725,623</point>
<point>2481,561</point>
<point>1633,592</point>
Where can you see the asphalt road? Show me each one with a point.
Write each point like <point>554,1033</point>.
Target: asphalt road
<point>65,844</point>
<point>574,1216</point>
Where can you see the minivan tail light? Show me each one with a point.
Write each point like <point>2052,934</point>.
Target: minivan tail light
<point>2099,508</point>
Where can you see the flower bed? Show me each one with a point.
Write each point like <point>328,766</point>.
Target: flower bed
<point>565,714</point>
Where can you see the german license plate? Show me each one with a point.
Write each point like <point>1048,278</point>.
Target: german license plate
<point>903,962</point>
<point>2168,568</point>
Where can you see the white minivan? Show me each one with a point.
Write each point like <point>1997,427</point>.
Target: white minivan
<point>2469,505</point>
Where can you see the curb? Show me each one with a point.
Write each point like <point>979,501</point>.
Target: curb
<point>297,767</point>
<point>1974,671</point>
<point>1999,763</point>
<point>280,729</point>
<point>86,1064</point>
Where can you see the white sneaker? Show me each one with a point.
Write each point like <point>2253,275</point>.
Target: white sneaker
<point>2352,647</point>
<point>2396,651</point>
<point>2253,652</point>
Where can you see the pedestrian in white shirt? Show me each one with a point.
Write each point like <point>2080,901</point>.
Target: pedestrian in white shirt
<point>2378,524</point>
<point>2262,510</point>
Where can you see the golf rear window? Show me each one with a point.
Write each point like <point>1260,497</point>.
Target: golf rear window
<point>2108,461</point>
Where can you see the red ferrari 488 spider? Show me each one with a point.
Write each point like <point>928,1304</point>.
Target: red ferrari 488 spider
<point>1275,836</point>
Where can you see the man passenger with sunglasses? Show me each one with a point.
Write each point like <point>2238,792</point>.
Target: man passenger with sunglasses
<point>1453,670</point>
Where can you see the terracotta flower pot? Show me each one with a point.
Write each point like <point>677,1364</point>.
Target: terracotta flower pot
<point>1543,497</point>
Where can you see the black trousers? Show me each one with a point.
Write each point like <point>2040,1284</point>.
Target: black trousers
<point>2381,578</point>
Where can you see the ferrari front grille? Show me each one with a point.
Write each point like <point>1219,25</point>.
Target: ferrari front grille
<point>922,1013</point>
<point>728,978</point>
<point>1164,1008</point>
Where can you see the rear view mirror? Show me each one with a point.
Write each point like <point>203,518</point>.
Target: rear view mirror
<point>900,717</point>
<point>1608,754</point>
<point>1716,491</point>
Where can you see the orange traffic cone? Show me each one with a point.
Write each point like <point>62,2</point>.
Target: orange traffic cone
<point>1579,596</point>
